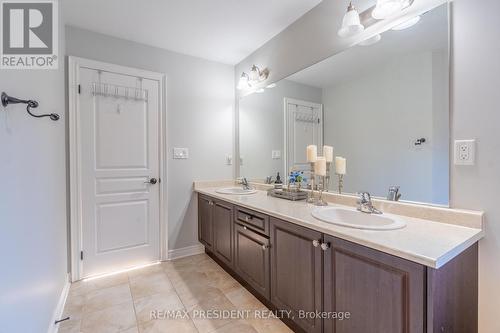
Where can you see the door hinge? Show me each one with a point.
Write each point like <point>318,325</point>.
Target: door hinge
<point>79,89</point>
<point>81,255</point>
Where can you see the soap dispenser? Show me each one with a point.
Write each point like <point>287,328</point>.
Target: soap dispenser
<point>278,184</point>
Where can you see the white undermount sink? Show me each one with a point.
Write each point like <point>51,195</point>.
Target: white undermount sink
<point>355,219</point>
<point>235,191</point>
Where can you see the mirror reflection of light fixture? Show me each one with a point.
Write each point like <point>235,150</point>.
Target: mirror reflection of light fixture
<point>386,8</point>
<point>407,24</point>
<point>372,40</point>
<point>351,23</point>
<point>250,80</point>
<point>257,75</point>
<point>260,91</point>
<point>272,85</point>
<point>244,82</point>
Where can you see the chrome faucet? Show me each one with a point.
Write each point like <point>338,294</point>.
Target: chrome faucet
<point>365,204</point>
<point>245,184</point>
<point>393,194</point>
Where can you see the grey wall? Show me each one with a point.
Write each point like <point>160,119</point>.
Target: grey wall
<point>476,114</point>
<point>261,127</point>
<point>32,200</point>
<point>475,79</point>
<point>200,104</point>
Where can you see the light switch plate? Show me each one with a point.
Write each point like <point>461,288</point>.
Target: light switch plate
<point>276,154</point>
<point>229,159</point>
<point>181,153</point>
<point>465,152</point>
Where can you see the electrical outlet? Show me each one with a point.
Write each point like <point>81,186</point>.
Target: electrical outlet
<point>465,152</point>
<point>276,154</point>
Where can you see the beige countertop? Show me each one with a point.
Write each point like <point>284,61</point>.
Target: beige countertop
<point>427,242</point>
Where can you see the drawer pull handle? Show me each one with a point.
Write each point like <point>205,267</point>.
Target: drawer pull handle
<point>248,218</point>
<point>325,246</point>
<point>316,243</point>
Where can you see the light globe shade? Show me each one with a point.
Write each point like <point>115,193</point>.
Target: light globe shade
<point>386,8</point>
<point>254,75</point>
<point>243,82</point>
<point>407,24</point>
<point>351,24</point>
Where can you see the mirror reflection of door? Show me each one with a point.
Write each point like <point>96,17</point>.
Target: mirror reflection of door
<point>304,126</point>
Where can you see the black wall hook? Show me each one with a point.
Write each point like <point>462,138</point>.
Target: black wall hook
<point>6,100</point>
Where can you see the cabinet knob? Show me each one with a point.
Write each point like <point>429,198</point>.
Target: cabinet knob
<point>316,243</point>
<point>248,218</point>
<point>265,247</point>
<point>325,246</point>
<point>244,228</point>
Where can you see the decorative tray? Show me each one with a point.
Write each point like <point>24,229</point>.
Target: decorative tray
<point>288,195</point>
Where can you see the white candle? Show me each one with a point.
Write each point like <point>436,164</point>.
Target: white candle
<point>340,165</point>
<point>328,153</point>
<point>320,166</point>
<point>312,153</point>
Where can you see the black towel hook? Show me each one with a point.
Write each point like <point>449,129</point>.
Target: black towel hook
<point>6,100</point>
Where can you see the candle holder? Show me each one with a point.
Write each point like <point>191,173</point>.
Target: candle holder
<point>310,196</point>
<point>341,182</point>
<point>321,185</point>
<point>327,179</point>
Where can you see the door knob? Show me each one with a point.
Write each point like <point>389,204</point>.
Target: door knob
<point>152,181</point>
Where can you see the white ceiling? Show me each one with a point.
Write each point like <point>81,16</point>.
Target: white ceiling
<point>431,33</point>
<point>221,30</point>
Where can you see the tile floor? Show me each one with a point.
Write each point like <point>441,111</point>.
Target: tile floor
<point>123,302</point>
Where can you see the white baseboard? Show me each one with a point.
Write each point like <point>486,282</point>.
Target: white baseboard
<point>185,252</point>
<point>58,311</point>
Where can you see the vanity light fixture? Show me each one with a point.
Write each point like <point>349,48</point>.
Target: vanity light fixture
<point>351,23</point>
<point>386,8</point>
<point>370,41</point>
<point>257,75</point>
<point>407,24</point>
<point>244,82</point>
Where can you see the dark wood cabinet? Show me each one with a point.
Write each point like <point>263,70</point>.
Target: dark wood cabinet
<point>251,259</point>
<point>223,231</point>
<point>205,221</point>
<point>382,293</point>
<point>296,273</point>
<point>305,272</point>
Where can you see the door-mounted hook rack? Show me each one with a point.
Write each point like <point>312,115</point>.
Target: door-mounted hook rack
<point>6,100</point>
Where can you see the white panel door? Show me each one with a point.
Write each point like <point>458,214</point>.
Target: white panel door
<point>303,127</point>
<point>119,163</point>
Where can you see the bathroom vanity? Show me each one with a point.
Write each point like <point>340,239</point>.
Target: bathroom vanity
<point>422,278</point>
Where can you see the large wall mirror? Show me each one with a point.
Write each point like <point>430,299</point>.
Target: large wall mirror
<point>384,107</point>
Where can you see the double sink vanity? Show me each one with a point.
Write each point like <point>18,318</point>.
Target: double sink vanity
<point>374,117</point>
<point>419,275</point>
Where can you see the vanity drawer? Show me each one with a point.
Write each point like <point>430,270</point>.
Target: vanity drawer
<point>252,219</point>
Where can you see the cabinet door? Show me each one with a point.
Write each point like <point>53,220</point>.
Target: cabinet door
<point>223,231</point>
<point>296,273</point>
<point>383,293</point>
<point>251,258</point>
<point>205,221</point>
